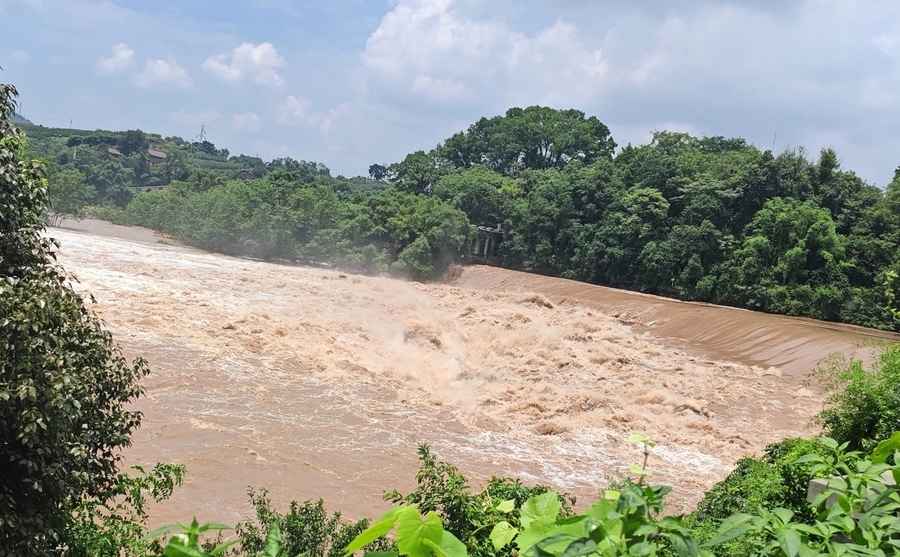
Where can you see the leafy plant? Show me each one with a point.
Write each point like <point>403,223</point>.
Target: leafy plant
<point>415,535</point>
<point>115,526</point>
<point>186,542</point>
<point>623,522</point>
<point>864,407</point>
<point>470,515</point>
<point>305,529</point>
<point>857,513</point>
<point>65,388</point>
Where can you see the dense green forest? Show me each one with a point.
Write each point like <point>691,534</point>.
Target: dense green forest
<point>710,218</point>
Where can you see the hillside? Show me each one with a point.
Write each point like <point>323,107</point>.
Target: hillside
<point>19,120</point>
<point>135,159</point>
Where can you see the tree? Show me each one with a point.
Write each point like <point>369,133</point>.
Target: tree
<point>112,182</point>
<point>69,193</point>
<point>65,388</point>
<point>377,172</point>
<point>792,260</point>
<point>536,137</point>
<point>175,167</point>
<point>480,193</point>
<point>416,173</point>
<point>134,141</point>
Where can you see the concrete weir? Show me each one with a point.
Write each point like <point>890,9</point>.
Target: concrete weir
<point>793,344</point>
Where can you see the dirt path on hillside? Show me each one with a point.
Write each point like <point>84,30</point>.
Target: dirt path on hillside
<point>316,383</point>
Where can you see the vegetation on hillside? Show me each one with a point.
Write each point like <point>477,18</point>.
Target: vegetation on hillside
<point>710,219</point>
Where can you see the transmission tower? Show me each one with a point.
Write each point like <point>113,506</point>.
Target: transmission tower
<point>201,137</point>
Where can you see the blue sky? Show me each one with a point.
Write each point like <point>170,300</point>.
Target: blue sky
<point>352,82</point>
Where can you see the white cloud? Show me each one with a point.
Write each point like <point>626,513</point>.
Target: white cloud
<point>440,89</point>
<point>296,110</point>
<point>258,62</point>
<point>246,122</point>
<point>430,50</point>
<point>337,115</point>
<point>122,58</point>
<point>159,72</point>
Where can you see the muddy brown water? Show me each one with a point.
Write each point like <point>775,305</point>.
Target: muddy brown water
<point>315,383</point>
<point>793,344</point>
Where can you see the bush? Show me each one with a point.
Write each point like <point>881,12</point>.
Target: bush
<point>864,407</point>
<point>306,529</point>
<point>752,485</point>
<point>116,527</point>
<point>440,487</point>
<point>855,514</point>
<point>778,480</point>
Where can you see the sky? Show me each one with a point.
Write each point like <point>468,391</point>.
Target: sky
<point>354,82</point>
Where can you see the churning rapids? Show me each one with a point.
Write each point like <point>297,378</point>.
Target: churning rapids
<point>316,383</point>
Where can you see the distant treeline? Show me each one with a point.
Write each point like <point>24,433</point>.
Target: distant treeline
<point>710,219</point>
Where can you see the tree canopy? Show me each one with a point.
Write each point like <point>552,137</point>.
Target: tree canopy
<point>536,137</point>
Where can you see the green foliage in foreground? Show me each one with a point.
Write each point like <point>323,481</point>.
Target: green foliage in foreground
<point>65,388</point>
<point>865,404</point>
<point>307,528</point>
<point>857,513</point>
<point>440,487</point>
<point>115,525</point>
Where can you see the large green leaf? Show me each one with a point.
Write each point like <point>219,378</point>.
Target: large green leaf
<point>502,533</point>
<point>683,546</point>
<point>413,530</point>
<point>789,541</point>
<point>375,531</point>
<point>539,534</point>
<point>886,448</point>
<point>273,541</point>
<point>543,508</point>
<point>556,543</point>
<point>732,527</point>
<point>642,549</point>
<point>177,549</point>
<point>535,533</point>
<point>449,546</point>
<point>580,548</point>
